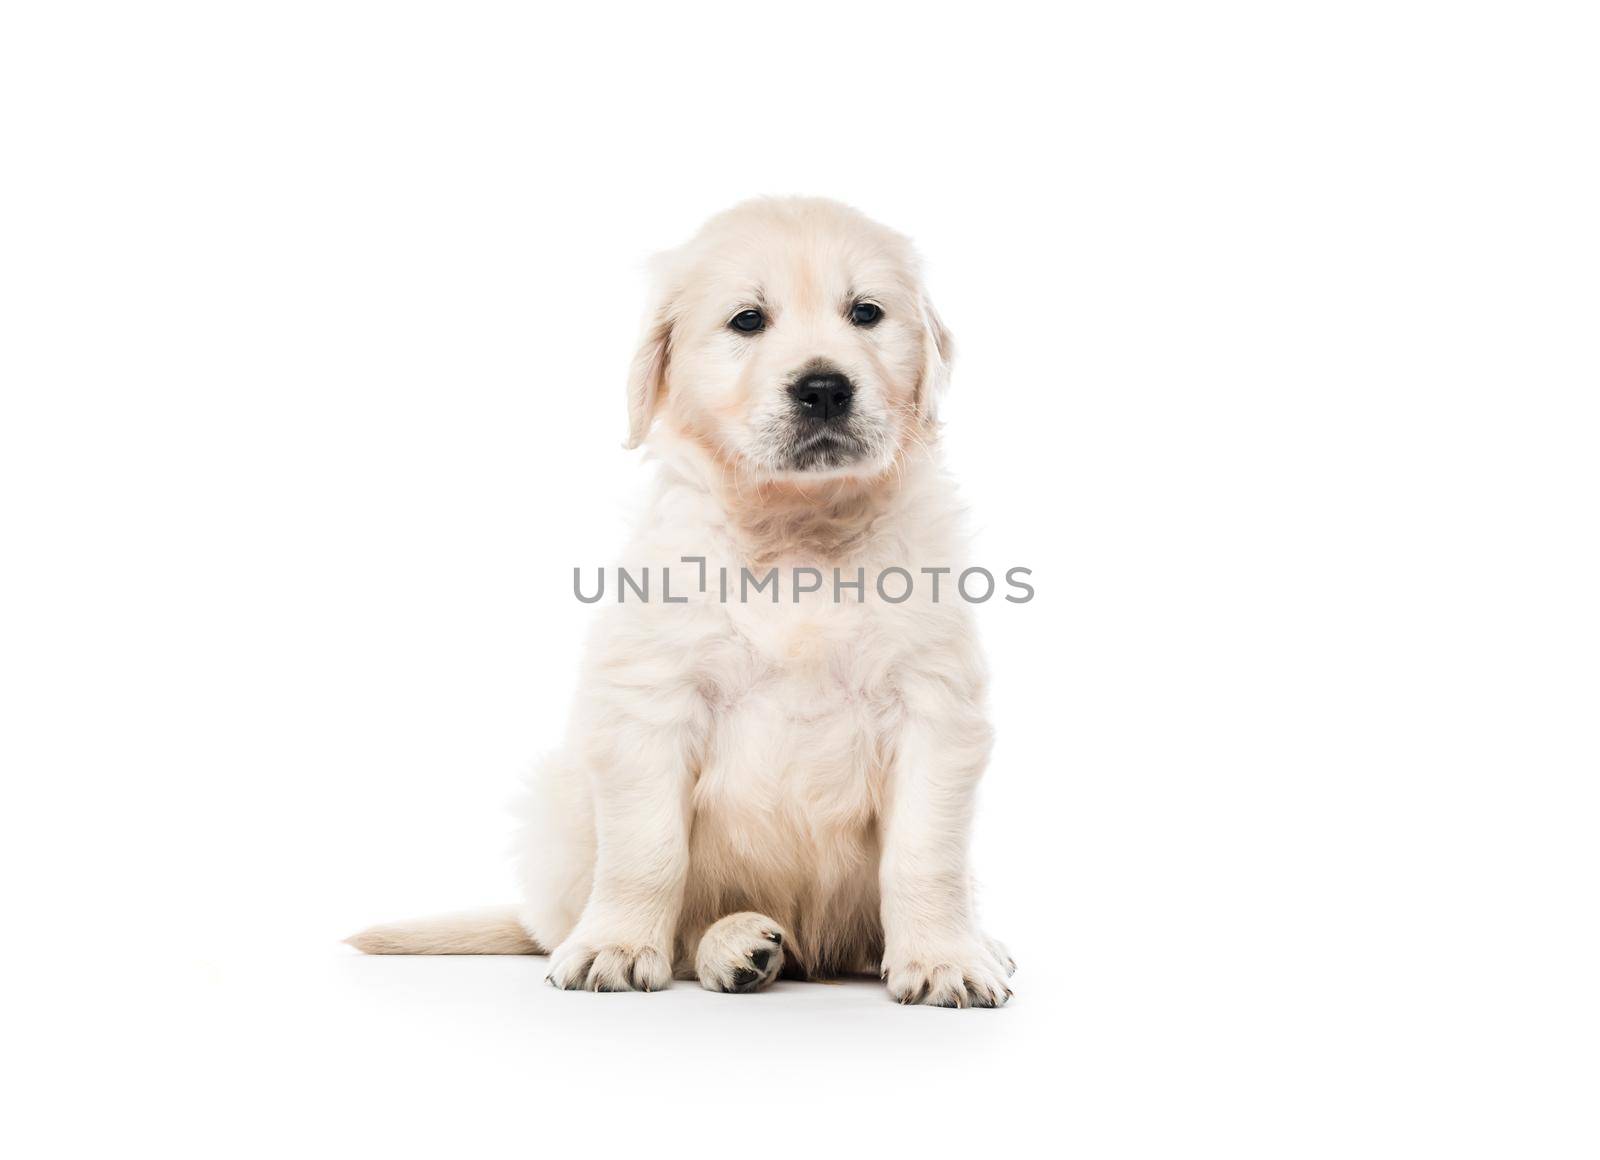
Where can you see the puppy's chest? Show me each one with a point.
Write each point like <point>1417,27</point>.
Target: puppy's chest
<point>802,700</point>
<point>818,644</point>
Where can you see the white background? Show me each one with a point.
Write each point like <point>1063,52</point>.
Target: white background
<point>1278,365</point>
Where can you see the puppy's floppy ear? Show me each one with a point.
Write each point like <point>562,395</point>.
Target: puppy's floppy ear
<point>647,378</point>
<point>938,352</point>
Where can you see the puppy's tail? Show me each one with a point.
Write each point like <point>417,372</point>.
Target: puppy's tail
<point>474,932</point>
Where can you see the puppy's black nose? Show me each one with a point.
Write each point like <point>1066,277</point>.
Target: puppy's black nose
<point>823,396</point>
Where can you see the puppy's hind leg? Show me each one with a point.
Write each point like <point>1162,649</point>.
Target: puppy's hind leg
<point>740,953</point>
<point>555,848</point>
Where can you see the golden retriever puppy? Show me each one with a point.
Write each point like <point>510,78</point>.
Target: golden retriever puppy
<point>772,758</point>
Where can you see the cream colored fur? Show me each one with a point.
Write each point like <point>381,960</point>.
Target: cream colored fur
<point>804,769</point>
<point>495,931</point>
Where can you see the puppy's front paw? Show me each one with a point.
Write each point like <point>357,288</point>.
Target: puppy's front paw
<point>740,953</point>
<point>581,965</point>
<point>955,977</point>
<point>1001,955</point>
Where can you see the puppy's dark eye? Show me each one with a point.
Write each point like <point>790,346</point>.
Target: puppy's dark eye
<point>865,313</point>
<point>748,321</point>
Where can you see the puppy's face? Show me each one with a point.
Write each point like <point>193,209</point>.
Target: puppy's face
<point>792,340</point>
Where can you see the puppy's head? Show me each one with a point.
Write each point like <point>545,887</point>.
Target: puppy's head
<point>791,340</point>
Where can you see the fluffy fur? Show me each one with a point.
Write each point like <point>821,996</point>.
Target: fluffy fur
<point>794,778</point>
